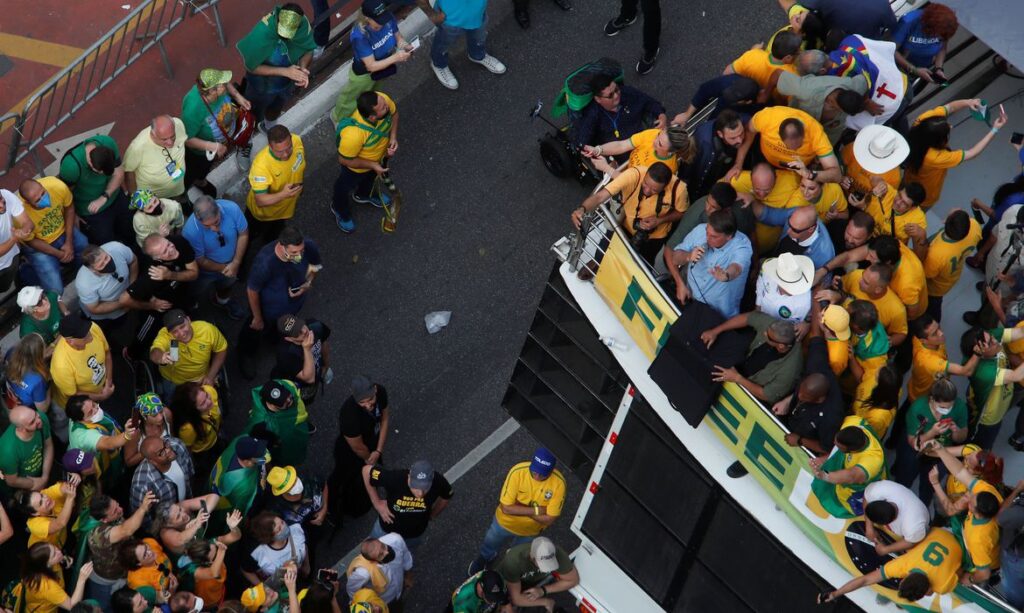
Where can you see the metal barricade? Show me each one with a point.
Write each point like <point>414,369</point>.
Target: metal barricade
<point>68,91</point>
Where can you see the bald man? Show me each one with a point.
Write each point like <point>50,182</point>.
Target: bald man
<point>155,160</point>
<point>803,233</point>
<point>26,451</point>
<point>166,470</point>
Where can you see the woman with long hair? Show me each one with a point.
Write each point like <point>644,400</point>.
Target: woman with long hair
<point>197,419</point>
<point>201,570</point>
<point>878,408</point>
<point>42,581</point>
<point>930,156</point>
<point>28,381</point>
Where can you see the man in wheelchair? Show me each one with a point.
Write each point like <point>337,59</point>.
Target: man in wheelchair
<point>616,113</point>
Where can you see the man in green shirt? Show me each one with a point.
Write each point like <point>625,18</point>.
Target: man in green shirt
<point>533,570</point>
<point>484,592</point>
<point>278,408</point>
<point>26,451</point>
<point>41,312</point>
<point>95,173</point>
<point>991,392</point>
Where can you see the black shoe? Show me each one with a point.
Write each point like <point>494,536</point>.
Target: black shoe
<point>736,470</point>
<point>565,5</point>
<point>646,64</point>
<point>971,318</point>
<point>522,18</point>
<point>1016,442</point>
<point>618,24</point>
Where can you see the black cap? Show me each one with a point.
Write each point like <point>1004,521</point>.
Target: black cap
<point>248,448</point>
<point>275,393</point>
<point>377,10</point>
<point>75,326</point>
<point>174,318</point>
<point>493,587</point>
<point>290,326</point>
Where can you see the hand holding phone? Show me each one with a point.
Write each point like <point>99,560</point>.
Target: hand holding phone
<point>327,575</point>
<point>415,44</point>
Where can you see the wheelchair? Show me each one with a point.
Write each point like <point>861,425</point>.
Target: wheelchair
<point>146,377</point>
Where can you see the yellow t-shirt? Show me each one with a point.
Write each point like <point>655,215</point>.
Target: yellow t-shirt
<point>369,596</point>
<point>46,597</point>
<point>39,527</point>
<point>643,153</point>
<point>838,355</point>
<point>776,153</point>
<point>938,556</point>
<point>156,167</point>
<point>630,185</point>
<point>945,259</point>
<point>781,197</point>
<point>76,372</point>
<point>758,64</point>
<point>932,173</point>
<point>884,215</point>
<point>955,489</point>
<point>1016,347</point>
<point>981,536</point>
<point>193,356</point>
<point>49,222</point>
<point>521,488</point>
<point>908,282</point>
<point>367,141</point>
<point>212,419</point>
<point>269,175</point>
<point>926,364</point>
<point>871,460</point>
<point>861,178</point>
<point>891,312</point>
<point>156,576</point>
<point>877,417</point>
<point>831,194</point>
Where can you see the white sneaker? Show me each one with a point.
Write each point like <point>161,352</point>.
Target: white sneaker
<point>445,76</point>
<point>491,63</point>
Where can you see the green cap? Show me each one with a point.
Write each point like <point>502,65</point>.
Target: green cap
<point>211,77</point>
<point>288,23</point>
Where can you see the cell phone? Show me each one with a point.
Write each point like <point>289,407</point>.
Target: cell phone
<point>202,506</point>
<point>328,575</point>
<point>939,80</point>
<point>296,289</point>
<point>136,418</point>
<point>946,420</point>
<point>174,351</point>
<point>859,194</point>
<point>1017,138</point>
<point>415,43</point>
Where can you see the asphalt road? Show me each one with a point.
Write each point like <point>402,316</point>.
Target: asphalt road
<point>481,212</point>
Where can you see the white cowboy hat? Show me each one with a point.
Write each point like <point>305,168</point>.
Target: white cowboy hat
<point>879,149</point>
<point>793,273</point>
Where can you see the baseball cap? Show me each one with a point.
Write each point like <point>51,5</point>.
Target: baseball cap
<point>542,550</point>
<point>362,388</point>
<point>288,23</point>
<point>140,199</point>
<point>174,318</point>
<point>75,326</point>
<point>377,10</point>
<point>254,597</point>
<point>29,297</point>
<point>837,320</point>
<point>284,480</point>
<point>211,77</point>
<point>493,587</point>
<point>290,326</point>
<point>421,475</point>
<point>77,460</point>
<point>149,404</point>
<point>543,462</point>
<point>248,448</point>
<point>275,393</point>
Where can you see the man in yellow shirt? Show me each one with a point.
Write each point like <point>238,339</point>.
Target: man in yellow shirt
<point>930,357</point>
<point>945,254</point>
<point>652,199</point>
<point>81,362</point>
<point>54,238</point>
<point>908,278</point>
<point>186,350</point>
<point>759,64</point>
<point>666,145</point>
<point>872,284</point>
<point>531,500</point>
<point>896,211</point>
<point>275,181</point>
<point>771,187</point>
<point>931,566</point>
<point>365,139</point>
<point>791,139</point>
<point>856,461</point>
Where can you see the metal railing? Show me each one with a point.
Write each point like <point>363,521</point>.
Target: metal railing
<point>57,101</point>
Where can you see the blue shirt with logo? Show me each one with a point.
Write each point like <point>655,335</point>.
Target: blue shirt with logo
<point>918,48</point>
<point>380,44</point>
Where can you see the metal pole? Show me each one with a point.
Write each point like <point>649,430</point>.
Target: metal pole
<point>167,61</point>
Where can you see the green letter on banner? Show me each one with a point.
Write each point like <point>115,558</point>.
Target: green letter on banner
<point>631,304</point>
<point>761,446</point>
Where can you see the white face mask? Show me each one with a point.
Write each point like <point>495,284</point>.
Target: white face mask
<point>97,417</point>
<point>943,410</point>
<point>200,603</point>
<point>809,240</point>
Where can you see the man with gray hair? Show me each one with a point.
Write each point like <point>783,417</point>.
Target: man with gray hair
<point>826,98</point>
<point>387,556</point>
<point>219,235</point>
<point>155,159</point>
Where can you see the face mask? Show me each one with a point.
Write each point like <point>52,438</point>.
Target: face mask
<point>157,210</point>
<point>390,555</point>
<point>200,603</point>
<point>943,410</point>
<point>282,534</point>
<point>809,240</point>
<point>109,267</point>
<point>97,417</point>
<point>295,259</point>
<point>44,202</point>
<point>260,461</point>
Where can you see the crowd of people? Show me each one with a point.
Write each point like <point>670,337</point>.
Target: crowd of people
<point>795,216</point>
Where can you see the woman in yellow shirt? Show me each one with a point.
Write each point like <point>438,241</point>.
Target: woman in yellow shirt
<point>930,156</point>
<point>197,420</point>
<point>877,399</point>
<point>49,511</point>
<point>41,589</point>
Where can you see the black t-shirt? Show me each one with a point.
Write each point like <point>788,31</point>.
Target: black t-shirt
<point>355,421</point>
<point>411,513</point>
<point>290,359</point>
<point>820,421</point>
<point>174,292</point>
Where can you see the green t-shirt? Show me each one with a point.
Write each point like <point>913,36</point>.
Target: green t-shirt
<point>46,328</point>
<point>517,567</point>
<point>199,123</point>
<point>21,458</point>
<point>920,410</point>
<point>86,184</point>
<point>987,394</point>
<point>465,599</point>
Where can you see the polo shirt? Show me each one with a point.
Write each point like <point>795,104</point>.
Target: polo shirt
<point>938,556</point>
<point>86,184</point>
<point>821,250</point>
<point>815,144</point>
<point>194,356</point>
<point>944,263</point>
<point>360,139</point>
<point>94,288</point>
<point>157,168</point>
<point>912,516</point>
<point>723,296</point>
<point>629,185</point>
<point>49,222</point>
<point>932,173</point>
<point>205,242</point>
<point>271,175</point>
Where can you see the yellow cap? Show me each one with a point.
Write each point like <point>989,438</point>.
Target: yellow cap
<point>254,597</point>
<point>837,320</point>
<point>288,23</point>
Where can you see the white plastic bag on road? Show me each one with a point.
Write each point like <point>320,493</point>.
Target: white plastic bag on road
<point>437,320</point>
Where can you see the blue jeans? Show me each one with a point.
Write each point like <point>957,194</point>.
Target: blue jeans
<point>498,538</point>
<point>1012,572</point>
<point>47,267</point>
<point>378,531</point>
<point>446,35</point>
<point>102,591</point>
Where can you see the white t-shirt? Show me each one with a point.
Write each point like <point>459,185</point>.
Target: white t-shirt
<point>394,571</point>
<point>775,304</point>
<point>14,208</point>
<point>175,474</point>
<point>912,518</point>
<point>270,559</point>
<point>997,258</point>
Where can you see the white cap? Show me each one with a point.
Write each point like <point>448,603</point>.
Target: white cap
<point>28,297</point>
<point>542,550</point>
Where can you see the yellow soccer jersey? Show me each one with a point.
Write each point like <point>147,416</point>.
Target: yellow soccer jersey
<point>945,260</point>
<point>521,488</point>
<point>269,175</point>
<point>938,556</point>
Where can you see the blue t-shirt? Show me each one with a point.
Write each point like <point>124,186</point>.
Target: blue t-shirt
<point>271,278</point>
<point>918,48</point>
<point>465,14</point>
<point>206,243</point>
<point>380,44</point>
<point>30,390</point>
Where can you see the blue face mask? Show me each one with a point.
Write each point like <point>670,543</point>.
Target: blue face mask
<point>44,202</point>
